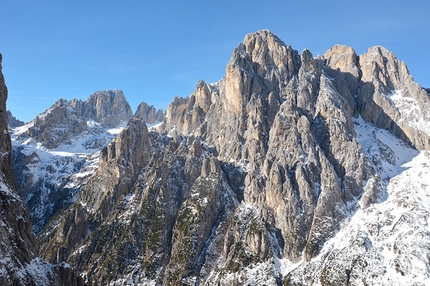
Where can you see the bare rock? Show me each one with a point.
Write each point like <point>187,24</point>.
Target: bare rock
<point>342,65</point>
<point>108,107</point>
<point>149,114</point>
<point>388,92</point>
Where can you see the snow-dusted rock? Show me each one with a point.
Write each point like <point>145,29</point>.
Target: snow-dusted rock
<point>273,175</point>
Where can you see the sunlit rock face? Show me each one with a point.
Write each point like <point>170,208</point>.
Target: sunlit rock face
<point>149,114</point>
<point>290,170</point>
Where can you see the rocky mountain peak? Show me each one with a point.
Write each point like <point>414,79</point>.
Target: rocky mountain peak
<point>343,58</point>
<point>273,99</point>
<point>382,64</point>
<point>12,121</point>
<point>149,114</point>
<point>65,120</point>
<point>389,98</point>
<point>108,107</point>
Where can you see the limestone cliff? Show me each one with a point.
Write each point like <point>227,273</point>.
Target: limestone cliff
<point>273,175</point>
<point>149,114</point>
<point>65,120</point>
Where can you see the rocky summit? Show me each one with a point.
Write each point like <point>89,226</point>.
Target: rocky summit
<point>57,152</point>
<point>149,114</point>
<point>293,169</point>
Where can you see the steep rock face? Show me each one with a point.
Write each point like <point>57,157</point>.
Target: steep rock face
<point>151,213</point>
<point>342,66</point>
<point>120,162</point>
<point>149,114</point>
<point>174,113</point>
<point>288,122</point>
<point>268,94</point>
<point>108,107</point>
<point>389,98</point>
<point>273,175</point>
<point>19,264</point>
<point>18,245</point>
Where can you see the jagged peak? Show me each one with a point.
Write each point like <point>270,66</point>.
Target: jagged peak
<point>378,49</point>
<point>342,57</point>
<point>114,94</point>
<point>201,84</point>
<point>306,55</point>
<point>381,55</point>
<point>61,101</point>
<point>339,50</point>
<point>265,35</point>
<point>261,53</point>
<point>12,121</point>
<point>149,114</point>
<point>259,42</point>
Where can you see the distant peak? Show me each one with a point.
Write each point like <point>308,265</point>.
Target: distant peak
<point>381,51</point>
<point>115,90</point>
<point>264,35</point>
<point>341,49</point>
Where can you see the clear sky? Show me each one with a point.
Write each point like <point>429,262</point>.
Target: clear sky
<point>156,50</point>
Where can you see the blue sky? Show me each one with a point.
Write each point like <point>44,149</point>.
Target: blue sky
<point>154,51</point>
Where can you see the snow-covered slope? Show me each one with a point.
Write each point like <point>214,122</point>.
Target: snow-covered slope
<point>386,241</point>
<point>57,152</point>
<point>386,238</point>
<point>51,178</point>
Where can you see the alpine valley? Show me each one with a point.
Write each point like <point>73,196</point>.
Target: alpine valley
<point>291,170</point>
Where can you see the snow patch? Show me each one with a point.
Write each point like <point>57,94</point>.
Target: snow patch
<point>410,110</point>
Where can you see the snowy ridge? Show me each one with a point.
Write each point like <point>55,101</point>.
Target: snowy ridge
<point>60,171</point>
<point>386,243</point>
<point>409,108</point>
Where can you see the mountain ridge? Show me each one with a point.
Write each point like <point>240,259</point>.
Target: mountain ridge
<point>58,151</point>
<point>288,171</point>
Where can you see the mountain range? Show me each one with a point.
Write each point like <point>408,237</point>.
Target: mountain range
<point>290,170</point>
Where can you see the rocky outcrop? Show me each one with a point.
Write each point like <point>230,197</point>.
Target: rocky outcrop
<point>12,121</point>
<point>109,108</point>
<point>390,99</point>
<point>66,120</point>
<point>272,100</point>
<point>19,264</point>
<point>149,114</point>
<point>150,192</point>
<point>18,245</point>
<point>58,124</point>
